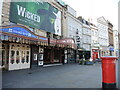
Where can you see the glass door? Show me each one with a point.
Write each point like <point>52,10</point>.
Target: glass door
<point>19,56</point>
<point>14,54</point>
<point>2,55</point>
<point>25,56</point>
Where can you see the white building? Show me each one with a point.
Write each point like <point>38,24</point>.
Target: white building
<point>86,38</point>
<point>94,35</point>
<point>116,43</point>
<point>94,41</point>
<point>103,36</point>
<point>74,28</point>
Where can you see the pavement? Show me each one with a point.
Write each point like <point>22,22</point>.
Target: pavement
<point>63,76</point>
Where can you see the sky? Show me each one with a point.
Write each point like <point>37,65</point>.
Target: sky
<point>95,9</point>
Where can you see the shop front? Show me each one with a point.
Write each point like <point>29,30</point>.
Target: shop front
<point>53,56</point>
<point>19,56</point>
<point>69,52</point>
<point>20,47</point>
<point>87,55</point>
<point>54,53</point>
<point>15,55</point>
<point>104,51</point>
<point>71,55</point>
<point>95,54</point>
<point>79,54</point>
<point>37,55</point>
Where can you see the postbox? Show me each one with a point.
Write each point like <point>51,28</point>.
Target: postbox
<point>109,71</point>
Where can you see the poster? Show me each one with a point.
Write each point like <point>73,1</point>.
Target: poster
<point>41,15</point>
<point>35,57</point>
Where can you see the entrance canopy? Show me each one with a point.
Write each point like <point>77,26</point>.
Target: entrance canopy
<point>18,33</point>
<point>67,42</point>
<point>21,34</point>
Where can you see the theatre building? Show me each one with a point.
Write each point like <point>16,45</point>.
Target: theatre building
<point>27,35</point>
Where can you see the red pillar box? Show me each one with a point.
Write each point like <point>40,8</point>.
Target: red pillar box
<point>109,72</point>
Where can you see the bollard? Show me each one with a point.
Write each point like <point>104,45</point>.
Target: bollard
<point>109,71</point>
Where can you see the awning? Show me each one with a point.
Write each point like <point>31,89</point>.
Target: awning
<point>67,42</point>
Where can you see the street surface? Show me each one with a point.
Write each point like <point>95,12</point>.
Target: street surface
<point>63,76</point>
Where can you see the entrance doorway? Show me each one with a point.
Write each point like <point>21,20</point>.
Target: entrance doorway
<point>4,54</point>
<point>47,56</point>
<point>34,55</point>
<point>19,56</point>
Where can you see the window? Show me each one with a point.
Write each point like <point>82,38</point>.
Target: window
<point>12,47</point>
<point>28,47</point>
<point>3,57</point>
<point>17,57</point>
<point>12,57</point>
<point>70,35</point>
<point>69,27</point>
<point>27,57</point>
<point>23,56</point>
<point>77,31</point>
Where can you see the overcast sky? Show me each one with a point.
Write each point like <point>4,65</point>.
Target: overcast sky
<point>96,8</point>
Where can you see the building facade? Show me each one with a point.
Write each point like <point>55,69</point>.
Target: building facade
<point>86,34</point>
<point>74,31</point>
<point>116,43</point>
<point>94,42</point>
<point>32,36</point>
<point>103,36</point>
<point>111,39</point>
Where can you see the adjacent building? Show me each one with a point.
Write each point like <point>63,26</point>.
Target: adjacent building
<point>103,38</point>
<point>74,31</point>
<point>86,37</point>
<point>116,43</point>
<point>111,39</point>
<point>94,42</point>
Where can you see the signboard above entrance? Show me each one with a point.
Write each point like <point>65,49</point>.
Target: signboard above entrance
<point>20,30</point>
<point>39,15</point>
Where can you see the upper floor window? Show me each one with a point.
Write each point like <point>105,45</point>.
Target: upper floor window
<point>77,31</point>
